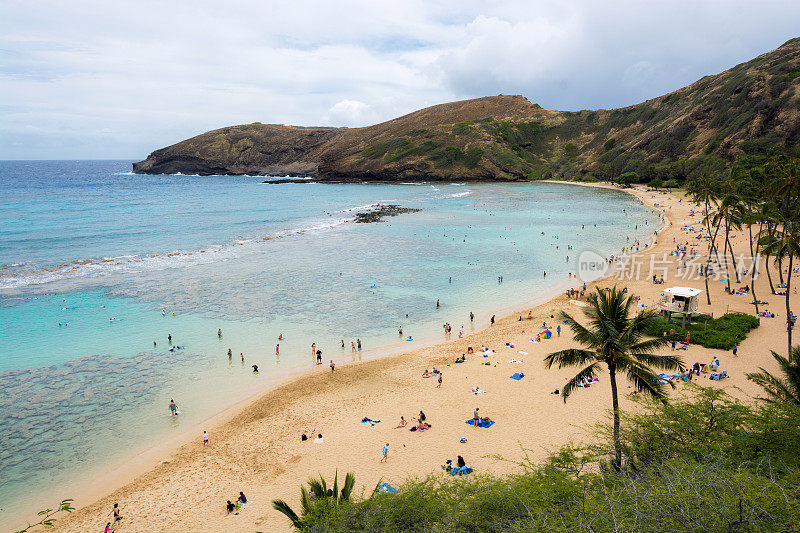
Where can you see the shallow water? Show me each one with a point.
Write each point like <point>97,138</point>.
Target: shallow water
<point>85,242</point>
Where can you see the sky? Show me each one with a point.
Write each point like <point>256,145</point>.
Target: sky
<point>84,79</point>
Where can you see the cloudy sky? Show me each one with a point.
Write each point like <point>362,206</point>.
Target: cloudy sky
<point>84,79</point>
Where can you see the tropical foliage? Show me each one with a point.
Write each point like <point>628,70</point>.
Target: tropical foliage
<point>617,340</point>
<point>777,388</point>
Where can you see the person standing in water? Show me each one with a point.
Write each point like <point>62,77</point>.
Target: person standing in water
<point>471,317</point>
<point>332,365</point>
<point>491,321</point>
<point>219,333</point>
<point>242,354</point>
<point>358,343</point>
<point>277,349</point>
<point>173,408</point>
<point>205,438</point>
<point>169,338</point>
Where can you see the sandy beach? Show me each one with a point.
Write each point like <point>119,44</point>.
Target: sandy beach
<point>256,446</point>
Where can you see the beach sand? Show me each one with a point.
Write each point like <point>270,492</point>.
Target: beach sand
<point>256,446</point>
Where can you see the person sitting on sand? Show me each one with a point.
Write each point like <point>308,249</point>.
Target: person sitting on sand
<point>426,374</point>
<point>460,462</point>
<point>556,392</point>
<point>319,438</point>
<point>230,507</point>
<point>435,371</point>
<point>461,359</point>
<point>470,350</point>
<point>242,498</point>
<point>402,424</point>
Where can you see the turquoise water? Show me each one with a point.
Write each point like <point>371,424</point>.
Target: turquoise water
<point>96,264</point>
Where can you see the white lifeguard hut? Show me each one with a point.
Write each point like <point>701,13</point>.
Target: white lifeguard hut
<point>680,300</point>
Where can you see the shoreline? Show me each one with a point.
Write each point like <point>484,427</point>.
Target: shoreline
<point>144,462</point>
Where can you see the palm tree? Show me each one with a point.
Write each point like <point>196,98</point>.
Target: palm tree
<point>787,244</point>
<point>780,389</point>
<point>322,495</point>
<point>615,339</point>
<point>704,190</point>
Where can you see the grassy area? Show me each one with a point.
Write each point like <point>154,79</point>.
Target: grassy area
<point>704,463</point>
<point>717,333</point>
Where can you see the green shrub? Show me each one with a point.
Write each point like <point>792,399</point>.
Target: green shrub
<point>718,333</point>
<point>609,144</point>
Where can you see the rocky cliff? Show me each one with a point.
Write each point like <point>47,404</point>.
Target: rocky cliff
<point>751,108</point>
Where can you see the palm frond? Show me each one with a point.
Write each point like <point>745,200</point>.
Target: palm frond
<point>588,372</point>
<point>664,362</point>
<point>643,378</point>
<point>347,489</point>
<point>569,357</point>
<point>284,508</point>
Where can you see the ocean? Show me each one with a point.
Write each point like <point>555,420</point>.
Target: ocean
<point>98,267</point>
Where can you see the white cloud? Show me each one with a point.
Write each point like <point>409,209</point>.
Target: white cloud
<point>92,79</point>
<point>351,113</point>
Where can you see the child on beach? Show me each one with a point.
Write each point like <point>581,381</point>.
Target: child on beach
<point>333,365</point>
<point>173,408</point>
<point>205,438</point>
<point>385,453</point>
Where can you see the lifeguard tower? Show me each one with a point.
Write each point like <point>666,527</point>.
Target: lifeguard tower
<point>681,300</point>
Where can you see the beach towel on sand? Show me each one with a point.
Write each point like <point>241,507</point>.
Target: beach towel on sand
<point>522,352</point>
<point>385,488</point>
<point>517,376</point>
<point>481,424</point>
<point>515,361</point>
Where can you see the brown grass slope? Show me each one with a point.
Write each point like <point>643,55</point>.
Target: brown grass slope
<point>751,108</point>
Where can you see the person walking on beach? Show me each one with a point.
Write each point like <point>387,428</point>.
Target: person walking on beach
<point>333,365</point>
<point>385,453</point>
<point>471,317</point>
<point>319,357</point>
<point>116,512</point>
<point>558,330</point>
<point>439,379</point>
<point>277,349</point>
<point>735,349</point>
<point>205,438</point>
<point>491,322</point>
<point>255,369</point>
<point>173,408</point>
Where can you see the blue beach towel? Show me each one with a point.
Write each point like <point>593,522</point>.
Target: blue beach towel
<point>517,376</point>
<point>385,488</point>
<point>481,424</point>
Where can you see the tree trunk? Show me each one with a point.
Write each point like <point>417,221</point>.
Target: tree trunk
<point>766,259</point>
<point>733,260</point>
<point>615,407</point>
<point>789,311</point>
<point>780,269</point>
<point>754,271</point>
<point>727,270</point>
